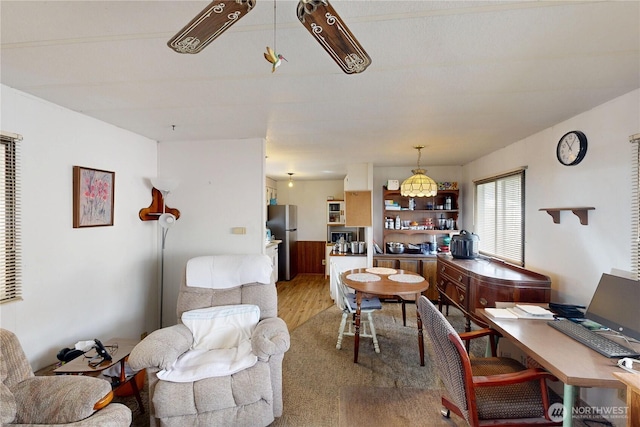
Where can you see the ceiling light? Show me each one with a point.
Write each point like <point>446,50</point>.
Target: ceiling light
<point>419,185</point>
<point>290,179</point>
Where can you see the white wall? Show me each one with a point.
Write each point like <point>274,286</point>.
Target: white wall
<point>574,255</point>
<point>222,185</point>
<point>85,283</point>
<point>311,199</point>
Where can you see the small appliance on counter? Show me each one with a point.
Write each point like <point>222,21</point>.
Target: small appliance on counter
<point>464,245</point>
<point>347,236</point>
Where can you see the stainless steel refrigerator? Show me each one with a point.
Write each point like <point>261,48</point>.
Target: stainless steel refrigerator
<point>283,223</point>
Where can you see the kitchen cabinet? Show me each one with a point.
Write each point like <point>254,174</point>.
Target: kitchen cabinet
<point>430,220</point>
<point>425,265</point>
<point>358,208</point>
<point>335,212</point>
<point>470,284</point>
<point>272,252</point>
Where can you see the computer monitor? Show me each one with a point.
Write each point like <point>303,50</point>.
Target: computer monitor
<point>616,305</point>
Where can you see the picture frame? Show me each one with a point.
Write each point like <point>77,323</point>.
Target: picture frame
<point>93,197</point>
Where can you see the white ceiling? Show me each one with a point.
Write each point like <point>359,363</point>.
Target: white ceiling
<point>461,78</point>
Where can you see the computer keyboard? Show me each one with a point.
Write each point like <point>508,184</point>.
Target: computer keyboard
<point>591,339</point>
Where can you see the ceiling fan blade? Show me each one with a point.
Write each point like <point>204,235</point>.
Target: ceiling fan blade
<point>214,19</point>
<point>323,22</point>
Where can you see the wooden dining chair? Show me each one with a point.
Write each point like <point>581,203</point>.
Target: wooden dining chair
<point>488,390</point>
<point>346,301</point>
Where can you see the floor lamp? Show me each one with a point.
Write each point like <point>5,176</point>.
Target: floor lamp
<point>166,221</point>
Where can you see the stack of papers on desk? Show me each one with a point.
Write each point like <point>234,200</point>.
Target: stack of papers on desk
<point>500,313</point>
<point>520,311</point>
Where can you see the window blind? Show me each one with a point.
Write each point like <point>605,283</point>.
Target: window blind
<point>10,273</point>
<point>635,205</point>
<point>499,216</point>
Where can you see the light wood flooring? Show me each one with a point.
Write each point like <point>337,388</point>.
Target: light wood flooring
<point>302,298</point>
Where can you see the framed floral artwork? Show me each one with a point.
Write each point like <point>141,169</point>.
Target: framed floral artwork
<point>93,197</point>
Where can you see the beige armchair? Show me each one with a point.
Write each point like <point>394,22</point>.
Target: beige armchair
<point>249,397</point>
<point>62,400</point>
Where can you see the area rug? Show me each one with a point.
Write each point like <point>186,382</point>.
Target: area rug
<point>390,406</point>
<point>321,383</point>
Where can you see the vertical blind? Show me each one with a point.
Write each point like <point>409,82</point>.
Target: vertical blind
<point>635,205</point>
<point>10,280</point>
<point>499,216</point>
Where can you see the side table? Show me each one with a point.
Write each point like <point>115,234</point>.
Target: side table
<point>119,350</point>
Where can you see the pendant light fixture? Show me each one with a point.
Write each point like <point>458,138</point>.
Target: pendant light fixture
<point>419,185</point>
<point>290,179</point>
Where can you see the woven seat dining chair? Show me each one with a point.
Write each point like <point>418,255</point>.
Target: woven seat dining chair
<point>488,390</point>
<point>346,302</point>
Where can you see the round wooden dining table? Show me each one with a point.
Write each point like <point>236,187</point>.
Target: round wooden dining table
<point>384,281</point>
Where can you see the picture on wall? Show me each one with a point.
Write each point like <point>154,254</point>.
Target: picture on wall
<point>93,197</point>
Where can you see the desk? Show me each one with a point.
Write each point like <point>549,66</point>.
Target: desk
<point>384,281</point>
<point>632,382</point>
<point>575,364</point>
<point>80,365</point>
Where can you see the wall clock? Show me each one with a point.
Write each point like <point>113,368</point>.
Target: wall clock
<point>571,148</point>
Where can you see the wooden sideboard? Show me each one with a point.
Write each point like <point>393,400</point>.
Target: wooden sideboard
<point>469,284</point>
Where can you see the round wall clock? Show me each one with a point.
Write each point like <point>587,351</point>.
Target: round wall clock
<point>571,148</point>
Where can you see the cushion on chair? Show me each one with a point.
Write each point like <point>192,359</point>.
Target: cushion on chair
<point>246,387</point>
<point>264,296</point>
<point>58,400</point>
<point>510,401</point>
<point>366,303</point>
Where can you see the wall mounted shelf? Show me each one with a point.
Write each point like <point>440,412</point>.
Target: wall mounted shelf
<point>580,212</point>
<point>153,212</point>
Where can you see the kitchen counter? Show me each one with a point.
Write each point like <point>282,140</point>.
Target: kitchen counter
<point>332,253</point>
<point>390,255</point>
<point>272,243</point>
<point>271,249</point>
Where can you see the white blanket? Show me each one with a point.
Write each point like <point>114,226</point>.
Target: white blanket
<point>228,271</point>
<point>196,365</point>
<point>221,343</point>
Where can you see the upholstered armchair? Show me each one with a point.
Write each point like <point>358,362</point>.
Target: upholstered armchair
<point>61,400</point>
<point>241,393</point>
<point>486,390</point>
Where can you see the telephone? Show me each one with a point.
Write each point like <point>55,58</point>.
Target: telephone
<point>102,352</point>
<point>568,311</point>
